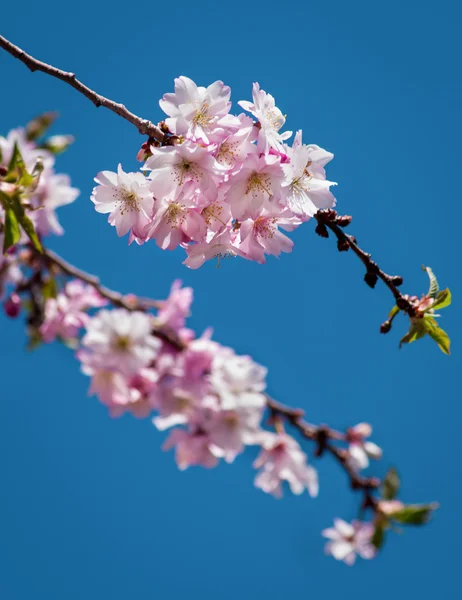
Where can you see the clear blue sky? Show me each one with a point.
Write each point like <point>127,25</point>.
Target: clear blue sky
<point>90,507</point>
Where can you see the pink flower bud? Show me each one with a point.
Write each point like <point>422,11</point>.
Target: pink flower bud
<point>12,306</point>
<point>389,507</point>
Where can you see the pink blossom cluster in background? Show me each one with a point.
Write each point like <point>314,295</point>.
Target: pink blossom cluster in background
<point>228,184</point>
<point>53,189</point>
<point>41,201</point>
<point>211,399</point>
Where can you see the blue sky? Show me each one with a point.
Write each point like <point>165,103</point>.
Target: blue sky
<point>90,507</point>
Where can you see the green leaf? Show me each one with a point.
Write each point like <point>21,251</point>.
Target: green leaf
<point>393,312</point>
<point>414,514</point>
<point>11,232</point>
<point>434,287</point>
<point>439,336</point>
<point>14,203</point>
<point>416,331</point>
<point>49,289</point>
<point>391,484</point>
<point>378,538</point>
<point>18,174</point>
<point>442,300</point>
<point>38,126</point>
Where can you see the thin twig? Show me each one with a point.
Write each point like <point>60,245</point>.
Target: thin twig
<point>322,435</point>
<point>144,126</point>
<point>331,220</point>
<point>129,302</point>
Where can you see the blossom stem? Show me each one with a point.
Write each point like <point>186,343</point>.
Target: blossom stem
<point>144,126</point>
<point>331,220</point>
<point>321,434</point>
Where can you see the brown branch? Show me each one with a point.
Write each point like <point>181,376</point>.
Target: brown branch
<point>329,219</point>
<point>144,126</point>
<point>322,435</point>
<point>131,303</point>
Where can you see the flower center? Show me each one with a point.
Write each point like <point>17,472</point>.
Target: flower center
<point>212,213</point>
<point>231,420</point>
<point>176,214</point>
<point>258,183</point>
<point>186,171</point>
<point>122,343</point>
<point>203,116</point>
<point>275,119</point>
<point>227,154</point>
<point>127,200</point>
<point>265,227</point>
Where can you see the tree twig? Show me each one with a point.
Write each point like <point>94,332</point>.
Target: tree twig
<point>329,219</point>
<point>144,126</point>
<point>322,435</point>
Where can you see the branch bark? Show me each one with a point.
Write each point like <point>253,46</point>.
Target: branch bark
<point>144,126</point>
<point>322,435</point>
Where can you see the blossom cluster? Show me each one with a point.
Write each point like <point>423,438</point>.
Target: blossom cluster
<point>211,399</point>
<point>48,192</point>
<point>52,190</point>
<point>226,184</point>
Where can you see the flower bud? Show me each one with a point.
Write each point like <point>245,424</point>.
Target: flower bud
<point>3,170</point>
<point>385,327</point>
<point>371,279</point>
<point>12,306</point>
<point>321,230</point>
<point>343,245</point>
<point>397,280</point>
<point>344,220</point>
<point>388,507</point>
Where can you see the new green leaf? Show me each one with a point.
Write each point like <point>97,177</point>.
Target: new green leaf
<point>414,514</point>
<point>391,484</point>
<point>11,231</point>
<point>434,287</point>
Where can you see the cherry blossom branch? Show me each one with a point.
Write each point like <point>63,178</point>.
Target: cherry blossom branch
<point>322,435</point>
<point>329,219</point>
<point>129,302</point>
<point>144,126</point>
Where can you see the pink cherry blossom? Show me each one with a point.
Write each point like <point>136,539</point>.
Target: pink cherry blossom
<point>218,245</point>
<point>127,199</point>
<point>187,169</point>
<point>66,314</point>
<point>305,188</point>
<point>174,311</point>
<point>262,236</point>
<point>198,113</point>
<point>349,540</point>
<point>238,380</point>
<point>233,150</point>
<point>53,191</point>
<point>121,340</point>
<point>191,448</point>
<point>231,430</point>
<point>360,450</point>
<point>176,221</point>
<point>269,117</point>
<point>389,507</point>
<point>282,459</point>
<point>258,181</point>
<point>224,185</point>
